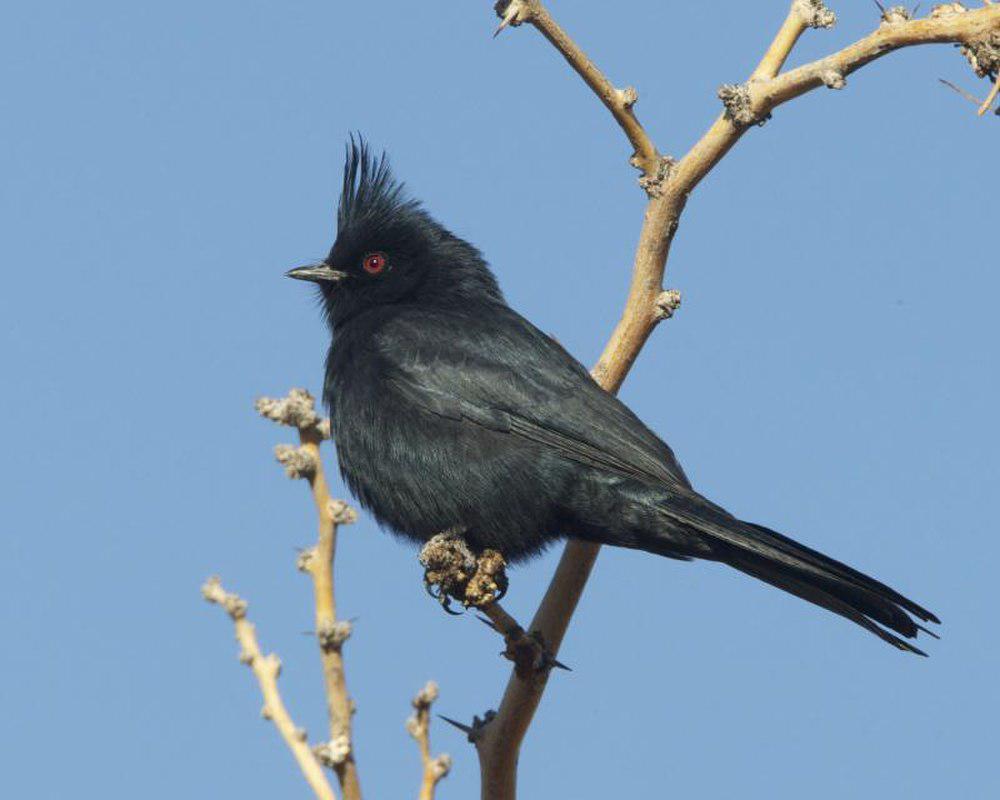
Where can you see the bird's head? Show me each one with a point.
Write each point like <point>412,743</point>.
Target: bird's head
<point>389,250</point>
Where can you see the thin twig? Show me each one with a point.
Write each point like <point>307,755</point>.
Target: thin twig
<point>499,744</point>
<point>266,669</point>
<point>994,92</point>
<point>618,101</point>
<point>298,410</point>
<point>419,726</point>
<point>961,92</point>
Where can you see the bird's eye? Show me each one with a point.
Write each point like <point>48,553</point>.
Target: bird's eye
<point>374,263</point>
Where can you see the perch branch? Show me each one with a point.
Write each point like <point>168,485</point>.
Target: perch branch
<point>298,411</point>
<point>266,669</point>
<point>419,727</point>
<point>499,743</point>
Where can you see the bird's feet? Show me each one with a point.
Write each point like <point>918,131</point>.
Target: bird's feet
<point>452,571</point>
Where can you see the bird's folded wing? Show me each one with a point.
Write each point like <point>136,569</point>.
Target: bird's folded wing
<point>500,372</point>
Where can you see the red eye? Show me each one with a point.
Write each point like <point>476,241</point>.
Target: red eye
<point>374,263</point>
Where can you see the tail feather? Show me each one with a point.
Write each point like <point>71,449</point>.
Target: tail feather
<point>816,595</point>
<point>799,570</point>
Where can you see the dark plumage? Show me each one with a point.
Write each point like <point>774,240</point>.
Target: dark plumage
<point>449,410</point>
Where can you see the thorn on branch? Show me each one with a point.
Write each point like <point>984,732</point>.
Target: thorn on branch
<point>453,571</point>
<point>667,302</point>
<point>299,462</point>
<point>296,410</point>
<point>738,101</point>
<point>475,730</point>
<point>512,13</point>
<point>815,14</point>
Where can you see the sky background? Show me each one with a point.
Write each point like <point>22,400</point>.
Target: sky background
<point>832,374</point>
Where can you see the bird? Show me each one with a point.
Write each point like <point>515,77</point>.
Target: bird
<point>452,412</point>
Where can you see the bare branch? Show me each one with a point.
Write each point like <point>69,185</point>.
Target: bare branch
<point>619,102</point>
<point>419,727</point>
<point>803,14</point>
<point>298,410</point>
<point>266,669</point>
<point>978,31</point>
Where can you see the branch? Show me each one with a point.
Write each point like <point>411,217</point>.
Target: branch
<point>266,669</point>
<point>619,102</point>
<point>419,727</point>
<point>977,31</point>
<point>298,410</point>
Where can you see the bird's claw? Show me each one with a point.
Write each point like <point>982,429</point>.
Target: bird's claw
<point>453,572</point>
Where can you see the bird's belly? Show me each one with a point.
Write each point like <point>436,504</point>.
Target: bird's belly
<point>420,474</point>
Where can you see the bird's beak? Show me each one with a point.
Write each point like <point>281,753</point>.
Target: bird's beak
<point>317,273</point>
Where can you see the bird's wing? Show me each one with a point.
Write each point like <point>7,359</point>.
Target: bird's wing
<point>496,370</point>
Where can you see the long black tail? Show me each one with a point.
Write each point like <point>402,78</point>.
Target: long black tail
<point>801,571</point>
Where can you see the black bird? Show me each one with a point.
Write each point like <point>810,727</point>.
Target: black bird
<point>450,410</point>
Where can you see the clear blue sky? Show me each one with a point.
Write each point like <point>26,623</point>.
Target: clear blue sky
<point>832,373</point>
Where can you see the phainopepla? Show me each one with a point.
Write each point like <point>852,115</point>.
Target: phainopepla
<point>451,411</point>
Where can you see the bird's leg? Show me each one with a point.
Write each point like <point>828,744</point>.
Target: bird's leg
<point>453,571</point>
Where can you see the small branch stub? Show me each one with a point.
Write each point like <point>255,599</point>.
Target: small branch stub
<point>453,572</point>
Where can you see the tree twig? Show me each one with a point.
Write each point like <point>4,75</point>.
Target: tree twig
<point>298,410</point>
<point>266,669</point>
<point>746,105</point>
<point>419,727</point>
<point>619,102</point>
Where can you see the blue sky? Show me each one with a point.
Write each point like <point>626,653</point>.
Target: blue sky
<point>832,374</point>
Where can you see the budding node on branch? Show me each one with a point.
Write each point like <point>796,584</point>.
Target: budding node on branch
<point>426,696</point>
<point>832,79</point>
<point>738,100</point>
<point>895,15</point>
<point>440,766</point>
<point>947,9</point>
<point>667,302</point>
<point>628,96</point>
<point>653,183</point>
<point>299,462</point>
<point>334,752</point>
<point>296,410</point>
<point>815,14</point>
<point>232,603</point>
<point>341,513</point>
<point>333,633</point>
<point>983,55</point>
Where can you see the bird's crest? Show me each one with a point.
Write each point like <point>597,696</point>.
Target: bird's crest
<point>370,194</point>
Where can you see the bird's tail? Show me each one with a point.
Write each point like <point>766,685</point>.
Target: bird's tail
<point>799,570</point>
